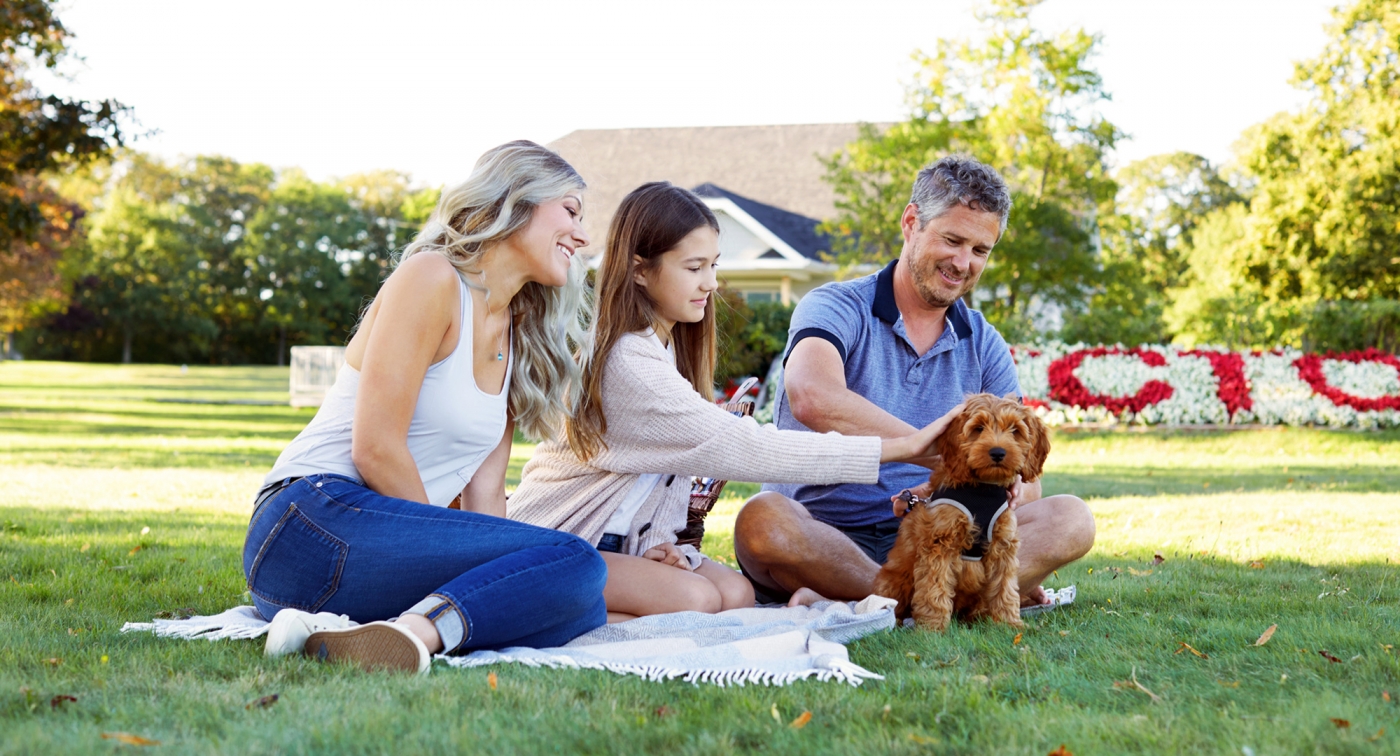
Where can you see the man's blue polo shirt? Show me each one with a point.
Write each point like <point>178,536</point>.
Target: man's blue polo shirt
<point>861,320</point>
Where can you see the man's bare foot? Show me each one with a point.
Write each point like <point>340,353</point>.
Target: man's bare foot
<point>1036,597</point>
<point>805,597</point>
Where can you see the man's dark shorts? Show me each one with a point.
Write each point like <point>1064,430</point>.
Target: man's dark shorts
<point>875,540</point>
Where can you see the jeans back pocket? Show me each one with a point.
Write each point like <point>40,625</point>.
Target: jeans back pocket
<point>299,565</point>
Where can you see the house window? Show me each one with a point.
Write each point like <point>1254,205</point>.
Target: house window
<point>753,297</point>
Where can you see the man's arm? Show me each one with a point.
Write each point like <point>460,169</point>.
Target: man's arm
<point>815,382</point>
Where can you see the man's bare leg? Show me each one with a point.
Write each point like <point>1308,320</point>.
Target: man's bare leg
<point>1054,531</point>
<point>783,547</point>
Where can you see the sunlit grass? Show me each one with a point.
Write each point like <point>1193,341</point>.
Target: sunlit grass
<point>102,522</point>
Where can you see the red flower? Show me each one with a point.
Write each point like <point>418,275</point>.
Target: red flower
<point>1310,370</point>
<point>1231,385</point>
<point>1066,388</point>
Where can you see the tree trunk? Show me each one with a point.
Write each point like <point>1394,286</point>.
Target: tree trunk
<point>9,345</point>
<point>126,345</point>
<point>282,346</point>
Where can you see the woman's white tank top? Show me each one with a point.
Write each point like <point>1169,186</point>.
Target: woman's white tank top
<point>455,424</point>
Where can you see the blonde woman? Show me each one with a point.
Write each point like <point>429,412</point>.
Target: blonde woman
<point>645,421</point>
<point>468,339</point>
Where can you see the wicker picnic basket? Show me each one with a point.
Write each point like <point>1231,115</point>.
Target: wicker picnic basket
<point>704,492</point>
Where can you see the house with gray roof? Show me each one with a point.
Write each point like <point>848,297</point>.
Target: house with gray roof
<point>763,182</point>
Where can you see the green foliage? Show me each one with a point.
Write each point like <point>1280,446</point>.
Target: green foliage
<point>210,260</point>
<point>1313,262</point>
<point>1023,102</point>
<point>39,134</point>
<point>749,335</point>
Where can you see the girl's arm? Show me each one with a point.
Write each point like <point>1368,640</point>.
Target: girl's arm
<point>407,328</point>
<point>486,493</point>
<point>656,421</point>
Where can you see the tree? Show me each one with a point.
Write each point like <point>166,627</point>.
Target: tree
<point>142,278</point>
<point>1324,221</point>
<point>1023,102</point>
<point>38,133</point>
<point>1144,242</point>
<point>298,248</point>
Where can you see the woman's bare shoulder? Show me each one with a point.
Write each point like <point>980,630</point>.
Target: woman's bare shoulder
<point>425,280</point>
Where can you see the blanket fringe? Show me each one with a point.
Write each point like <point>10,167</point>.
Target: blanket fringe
<point>236,632</point>
<point>847,672</point>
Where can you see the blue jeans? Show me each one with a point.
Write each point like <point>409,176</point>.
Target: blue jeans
<point>328,544</point>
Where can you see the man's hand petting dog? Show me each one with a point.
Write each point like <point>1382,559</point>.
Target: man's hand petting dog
<point>667,553</point>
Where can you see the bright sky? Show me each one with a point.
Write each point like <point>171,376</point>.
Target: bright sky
<point>424,86</point>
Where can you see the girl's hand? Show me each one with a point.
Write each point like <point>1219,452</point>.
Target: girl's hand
<point>667,553</point>
<point>917,447</point>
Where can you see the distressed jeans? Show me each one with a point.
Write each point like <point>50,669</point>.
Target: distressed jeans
<point>325,543</point>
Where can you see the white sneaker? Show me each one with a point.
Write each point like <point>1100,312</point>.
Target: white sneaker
<point>373,645</point>
<point>289,630</point>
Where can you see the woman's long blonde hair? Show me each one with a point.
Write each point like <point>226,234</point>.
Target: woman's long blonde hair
<point>498,199</point>
<point>651,220</point>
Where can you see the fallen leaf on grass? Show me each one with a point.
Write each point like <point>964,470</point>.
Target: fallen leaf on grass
<point>491,680</point>
<point>1139,573</point>
<point>262,703</point>
<point>129,739</point>
<point>1329,657</point>
<point>1016,640</point>
<point>664,711</point>
<point>85,547</point>
<point>1061,751</point>
<point>1256,565</point>
<point>1157,558</point>
<point>58,701</point>
<point>1234,684</point>
<point>1385,696</point>
<point>1187,647</point>
<point>1267,634</point>
<point>1377,736</point>
<point>913,655</point>
<point>921,740</point>
<point>1341,723</point>
<point>777,717</point>
<point>53,662</point>
<point>801,721</point>
<point>133,551</point>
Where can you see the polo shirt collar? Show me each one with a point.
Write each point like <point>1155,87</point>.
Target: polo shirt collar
<point>884,306</point>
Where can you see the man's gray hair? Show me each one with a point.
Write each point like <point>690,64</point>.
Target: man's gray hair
<point>960,180</point>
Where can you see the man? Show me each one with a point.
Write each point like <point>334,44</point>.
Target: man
<point>882,356</point>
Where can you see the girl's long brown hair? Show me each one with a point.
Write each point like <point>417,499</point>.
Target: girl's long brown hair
<point>651,220</point>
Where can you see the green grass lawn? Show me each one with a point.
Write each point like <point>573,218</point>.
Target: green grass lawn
<point>117,506</point>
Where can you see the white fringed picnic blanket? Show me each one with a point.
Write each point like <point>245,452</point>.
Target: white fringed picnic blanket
<point>764,645</point>
<point>767,645</point>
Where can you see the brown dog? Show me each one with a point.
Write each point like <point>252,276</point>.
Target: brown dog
<point>942,564</point>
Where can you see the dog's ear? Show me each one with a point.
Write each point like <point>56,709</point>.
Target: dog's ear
<point>949,446</point>
<point>1040,446</point>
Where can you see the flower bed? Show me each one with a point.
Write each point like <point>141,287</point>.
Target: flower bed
<point>1077,383</point>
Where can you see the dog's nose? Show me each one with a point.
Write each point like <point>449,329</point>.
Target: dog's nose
<point>998,454</point>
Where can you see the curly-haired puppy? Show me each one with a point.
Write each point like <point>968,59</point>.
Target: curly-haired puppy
<point>956,551</point>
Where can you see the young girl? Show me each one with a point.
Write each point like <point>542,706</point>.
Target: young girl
<point>644,420</point>
<point>467,339</point>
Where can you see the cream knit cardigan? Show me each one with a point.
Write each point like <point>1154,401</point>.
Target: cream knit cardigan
<point>658,423</point>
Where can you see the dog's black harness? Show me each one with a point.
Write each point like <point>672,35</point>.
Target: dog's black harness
<point>983,504</point>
